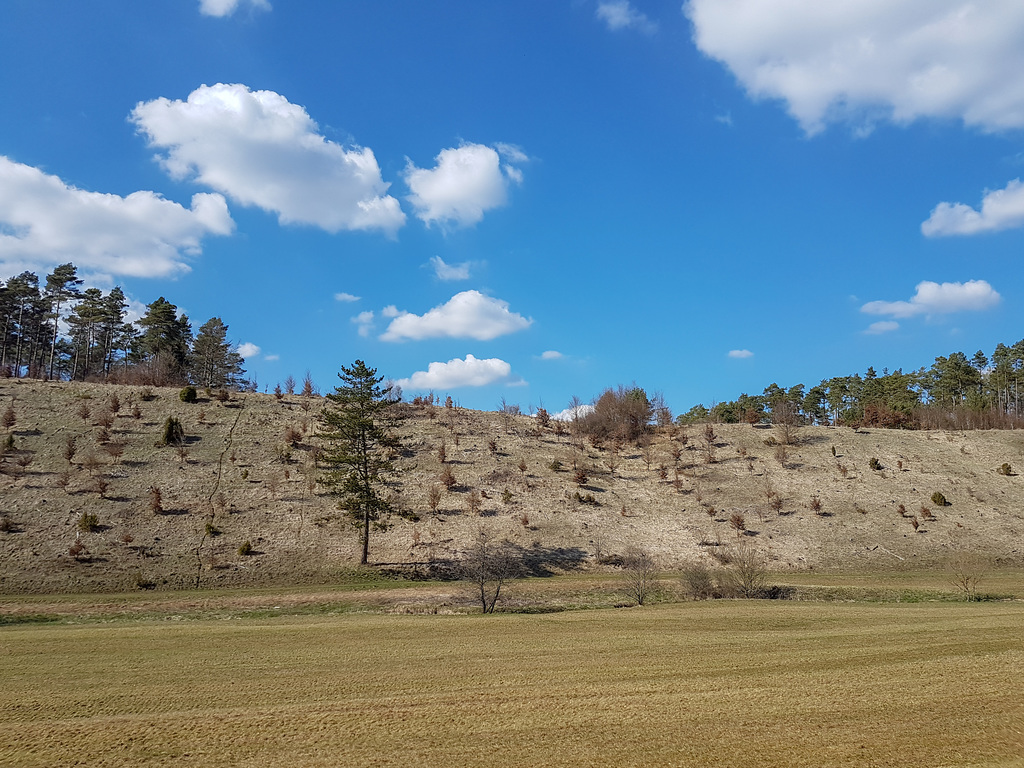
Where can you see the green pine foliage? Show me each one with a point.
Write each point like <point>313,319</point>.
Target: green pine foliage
<point>358,423</point>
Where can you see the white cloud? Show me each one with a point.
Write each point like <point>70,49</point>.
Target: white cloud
<point>345,297</point>
<point>248,350</point>
<point>467,181</point>
<point>261,150</point>
<point>469,314</point>
<point>364,323</point>
<point>1000,209</point>
<point>864,60</point>
<point>227,7</point>
<point>43,222</point>
<point>450,271</point>
<point>938,299</point>
<point>271,358</point>
<point>570,414</point>
<point>740,354</point>
<point>882,326</point>
<point>620,14</point>
<point>551,354</point>
<point>470,372</point>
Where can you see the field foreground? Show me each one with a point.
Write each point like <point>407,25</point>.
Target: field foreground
<point>723,683</point>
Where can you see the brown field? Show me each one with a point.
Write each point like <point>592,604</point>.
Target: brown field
<point>723,683</point>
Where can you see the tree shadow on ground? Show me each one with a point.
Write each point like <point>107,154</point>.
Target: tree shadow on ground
<point>538,560</point>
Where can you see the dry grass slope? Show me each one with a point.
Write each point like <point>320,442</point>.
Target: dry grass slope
<point>245,474</point>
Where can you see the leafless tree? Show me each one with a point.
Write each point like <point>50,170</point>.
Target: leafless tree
<point>639,570</point>
<point>966,570</point>
<point>489,565</point>
<point>747,575</point>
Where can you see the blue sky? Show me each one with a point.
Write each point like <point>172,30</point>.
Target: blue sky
<point>532,200</point>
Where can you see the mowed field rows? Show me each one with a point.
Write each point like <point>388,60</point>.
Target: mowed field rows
<point>724,683</point>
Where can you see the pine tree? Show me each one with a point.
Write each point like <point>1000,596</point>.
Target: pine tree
<point>358,422</point>
<point>61,287</point>
<point>165,339</point>
<point>214,362</point>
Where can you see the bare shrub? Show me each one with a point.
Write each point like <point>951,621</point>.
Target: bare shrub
<point>70,448</point>
<point>966,571</point>
<point>473,502</point>
<point>638,570</point>
<point>782,454</point>
<point>543,417</point>
<point>115,450</point>
<point>698,582</point>
<point>748,575</point>
<point>489,565</point>
<point>273,483</point>
<point>815,504</point>
<point>580,477</point>
<point>308,388</point>
<point>447,478</point>
<point>79,551</point>
<point>292,435</point>
<point>433,497</point>
<point>776,504</point>
<point>10,417</point>
<point>522,467</point>
<point>738,523</point>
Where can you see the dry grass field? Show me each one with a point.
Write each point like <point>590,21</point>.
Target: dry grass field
<point>723,683</point>
<point>246,476</point>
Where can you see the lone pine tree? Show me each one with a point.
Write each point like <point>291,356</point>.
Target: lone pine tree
<point>358,420</point>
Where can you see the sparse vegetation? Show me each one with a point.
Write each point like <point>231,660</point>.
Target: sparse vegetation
<point>938,499</point>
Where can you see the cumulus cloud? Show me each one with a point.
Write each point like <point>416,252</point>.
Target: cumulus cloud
<point>882,326</point>
<point>865,60</point>
<point>261,150</point>
<point>248,350</point>
<point>466,182</point>
<point>44,221</point>
<point>551,354</point>
<point>570,413</point>
<point>450,271</point>
<point>620,14</point>
<point>938,299</point>
<point>364,323</point>
<point>227,7</point>
<point>345,297</point>
<point>469,372</point>
<point>740,354</point>
<point>1000,209</point>
<point>469,314</point>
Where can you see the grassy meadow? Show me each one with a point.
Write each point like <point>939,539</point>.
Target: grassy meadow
<point>723,683</point>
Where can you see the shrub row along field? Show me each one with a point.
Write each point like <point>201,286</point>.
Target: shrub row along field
<point>710,684</point>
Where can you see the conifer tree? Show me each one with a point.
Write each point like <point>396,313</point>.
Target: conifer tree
<point>214,362</point>
<point>358,421</point>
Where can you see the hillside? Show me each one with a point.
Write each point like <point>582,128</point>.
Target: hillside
<point>246,475</point>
